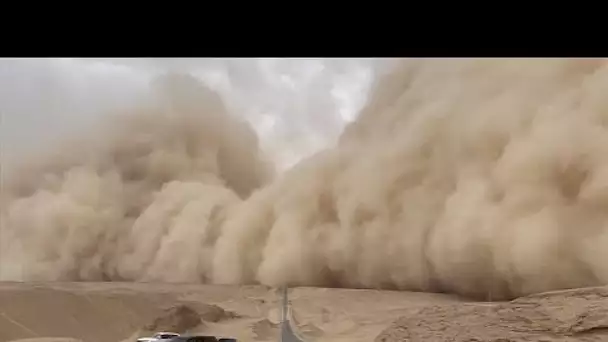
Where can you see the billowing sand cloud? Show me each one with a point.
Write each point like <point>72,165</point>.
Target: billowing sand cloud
<point>486,178</point>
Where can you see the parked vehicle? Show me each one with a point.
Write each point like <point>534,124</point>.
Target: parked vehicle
<point>202,338</point>
<point>162,335</point>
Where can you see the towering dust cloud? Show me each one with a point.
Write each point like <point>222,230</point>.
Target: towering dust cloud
<point>486,178</point>
<point>143,201</point>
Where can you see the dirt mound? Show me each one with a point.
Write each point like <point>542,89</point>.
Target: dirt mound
<point>213,313</point>
<point>573,315</point>
<point>179,318</point>
<point>184,318</point>
<point>265,330</point>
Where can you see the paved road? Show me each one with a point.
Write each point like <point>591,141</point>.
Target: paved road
<point>287,331</point>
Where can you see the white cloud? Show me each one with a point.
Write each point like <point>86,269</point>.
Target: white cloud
<point>296,105</point>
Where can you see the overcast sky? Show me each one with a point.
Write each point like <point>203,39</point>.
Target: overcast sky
<point>297,106</point>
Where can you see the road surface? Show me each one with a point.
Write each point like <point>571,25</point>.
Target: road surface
<point>287,331</point>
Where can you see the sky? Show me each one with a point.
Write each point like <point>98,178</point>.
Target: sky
<point>297,106</point>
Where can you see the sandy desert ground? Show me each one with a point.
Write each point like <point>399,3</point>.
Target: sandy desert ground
<point>53,312</point>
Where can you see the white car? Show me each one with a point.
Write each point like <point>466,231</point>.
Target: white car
<point>158,337</point>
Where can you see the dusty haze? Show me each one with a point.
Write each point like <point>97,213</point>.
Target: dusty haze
<point>486,178</point>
